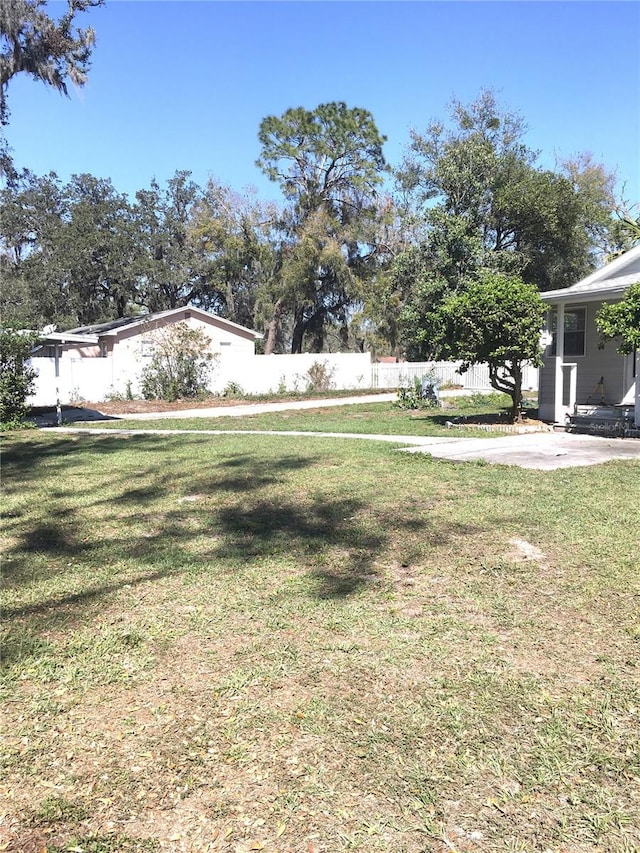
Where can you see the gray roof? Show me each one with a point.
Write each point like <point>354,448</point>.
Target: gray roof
<point>111,327</point>
<point>100,328</point>
<point>609,282</point>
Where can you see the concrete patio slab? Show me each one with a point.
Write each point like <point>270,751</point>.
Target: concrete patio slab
<point>544,451</point>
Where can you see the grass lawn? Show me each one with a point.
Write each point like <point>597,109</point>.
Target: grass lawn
<point>369,418</point>
<point>238,643</point>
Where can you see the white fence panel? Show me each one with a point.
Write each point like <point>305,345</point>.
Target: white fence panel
<point>97,379</point>
<point>75,379</point>
<point>476,378</point>
<point>394,375</point>
<point>263,374</point>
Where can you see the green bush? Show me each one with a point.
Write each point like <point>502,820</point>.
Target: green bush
<point>416,394</point>
<point>180,365</point>
<point>16,377</point>
<point>233,389</point>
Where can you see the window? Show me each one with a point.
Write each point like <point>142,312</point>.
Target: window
<point>146,348</point>
<point>575,321</point>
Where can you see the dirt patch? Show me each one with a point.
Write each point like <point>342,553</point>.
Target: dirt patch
<point>126,407</point>
<point>121,407</point>
<point>524,551</point>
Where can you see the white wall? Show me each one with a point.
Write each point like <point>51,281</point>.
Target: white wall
<point>98,379</point>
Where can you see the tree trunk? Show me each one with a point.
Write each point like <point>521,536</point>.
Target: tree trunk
<point>512,388</point>
<point>516,395</point>
<point>299,328</point>
<point>274,323</point>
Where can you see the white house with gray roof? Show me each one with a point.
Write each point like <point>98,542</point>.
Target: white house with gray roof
<point>106,359</point>
<point>577,369</point>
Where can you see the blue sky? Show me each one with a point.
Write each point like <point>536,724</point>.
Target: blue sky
<point>184,85</point>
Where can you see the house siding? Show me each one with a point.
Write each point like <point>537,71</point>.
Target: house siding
<point>596,364</point>
<point>223,339</point>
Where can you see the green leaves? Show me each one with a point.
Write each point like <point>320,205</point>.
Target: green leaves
<point>621,320</point>
<point>495,320</point>
<point>48,50</point>
<point>16,378</point>
<point>180,365</point>
<point>324,156</point>
<point>328,163</point>
<point>539,224</point>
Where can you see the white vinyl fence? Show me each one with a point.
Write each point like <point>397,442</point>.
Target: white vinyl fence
<point>261,374</point>
<point>76,379</point>
<point>393,376</point>
<point>96,379</point>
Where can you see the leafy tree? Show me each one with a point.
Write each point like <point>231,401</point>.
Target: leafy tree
<point>621,321</point>
<point>329,157</point>
<point>235,234</point>
<point>594,185</point>
<point>321,280</point>
<point>101,255</point>
<point>624,231</point>
<point>328,163</point>
<point>16,377</point>
<point>34,290</point>
<point>50,51</point>
<point>495,320</point>
<point>539,224</point>
<point>173,272</point>
<point>180,365</point>
<point>68,254</point>
<point>483,203</point>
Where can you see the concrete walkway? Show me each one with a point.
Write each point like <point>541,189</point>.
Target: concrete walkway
<point>544,451</point>
<point>239,411</point>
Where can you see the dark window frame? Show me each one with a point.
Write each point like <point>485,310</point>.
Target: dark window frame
<point>575,334</point>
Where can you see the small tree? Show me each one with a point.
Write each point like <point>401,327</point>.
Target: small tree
<point>495,320</point>
<point>180,365</point>
<point>16,377</point>
<point>621,321</point>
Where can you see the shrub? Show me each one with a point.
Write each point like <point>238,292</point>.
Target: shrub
<point>16,377</point>
<point>180,364</point>
<point>420,393</point>
<point>233,389</point>
<point>320,376</point>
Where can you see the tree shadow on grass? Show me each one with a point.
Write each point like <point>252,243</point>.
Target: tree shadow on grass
<point>21,458</point>
<point>60,608</point>
<point>152,522</point>
<point>242,513</point>
<point>254,472</point>
<point>338,548</point>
